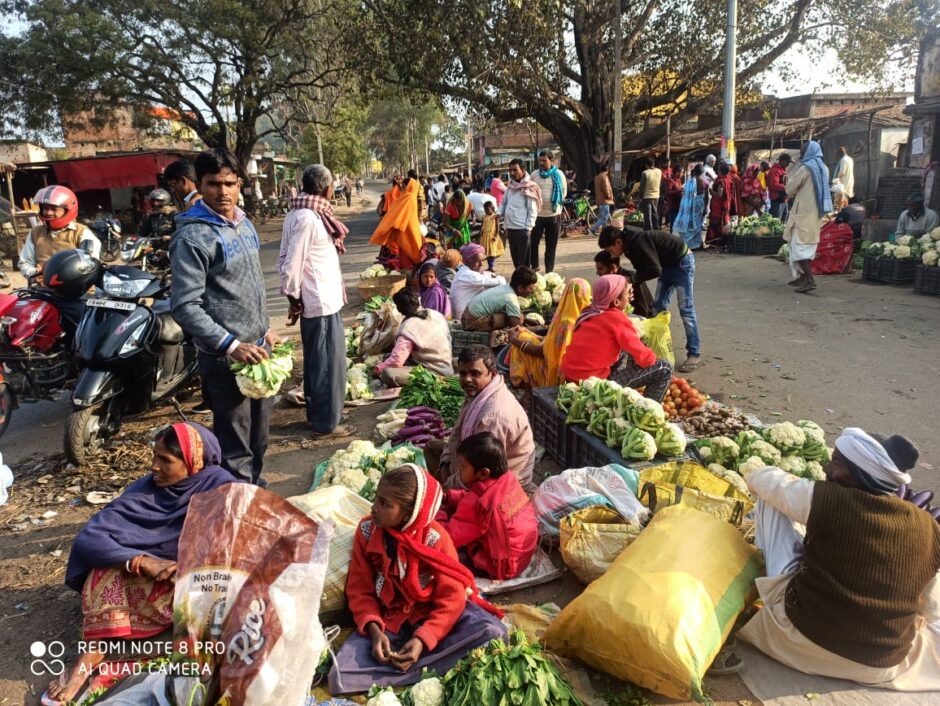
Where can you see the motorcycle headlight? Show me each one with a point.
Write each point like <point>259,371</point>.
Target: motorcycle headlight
<point>123,288</point>
<point>133,341</point>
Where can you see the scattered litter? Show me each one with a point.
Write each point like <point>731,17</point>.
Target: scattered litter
<point>56,553</point>
<point>97,497</point>
<point>42,480</point>
<point>49,514</point>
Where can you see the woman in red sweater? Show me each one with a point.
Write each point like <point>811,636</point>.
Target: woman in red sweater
<point>492,519</point>
<point>606,345</point>
<point>414,604</point>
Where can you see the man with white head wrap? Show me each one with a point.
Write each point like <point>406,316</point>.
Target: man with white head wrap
<point>852,588</point>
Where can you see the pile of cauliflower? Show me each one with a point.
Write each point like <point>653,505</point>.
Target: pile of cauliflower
<point>548,291</point>
<point>427,692</point>
<point>929,243</point>
<point>361,465</point>
<point>908,247</point>
<point>374,271</point>
<point>357,382</point>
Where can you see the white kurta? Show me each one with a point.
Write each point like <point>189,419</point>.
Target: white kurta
<point>845,172</point>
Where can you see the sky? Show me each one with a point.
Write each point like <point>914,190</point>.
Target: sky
<point>810,79</point>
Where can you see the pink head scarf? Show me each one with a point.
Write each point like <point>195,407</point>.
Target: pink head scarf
<point>605,290</point>
<point>468,251</point>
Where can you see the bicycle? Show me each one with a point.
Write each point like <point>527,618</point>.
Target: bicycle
<point>577,217</point>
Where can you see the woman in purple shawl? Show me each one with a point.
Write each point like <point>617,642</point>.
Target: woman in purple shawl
<point>124,560</point>
<point>433,295</point>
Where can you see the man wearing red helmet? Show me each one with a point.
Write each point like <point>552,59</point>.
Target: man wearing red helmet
<point>58,209</point>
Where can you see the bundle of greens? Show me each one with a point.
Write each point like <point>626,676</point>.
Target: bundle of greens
<point>262,380</point>
<point>375,303</point>
<point>513,673</point>
<point>763,225</point>
<point>425,389</point>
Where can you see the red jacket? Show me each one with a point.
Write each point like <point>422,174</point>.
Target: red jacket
<point>496,522</point>
<point>375,593</point>
<point>597,344</point>
<point>777,182</point>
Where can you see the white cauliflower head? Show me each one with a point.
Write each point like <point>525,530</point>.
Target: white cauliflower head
<point>935,234</point>
<point>543,298</point>
<point>539,282</point>
<point>905,240</point>
<point>352,478</point>
<point>786,436</point>
<point>399,457</point>
<point>930,258</point>
<point>428,692</point>
<point>556,294</point>
<point>386,697</point>
<point>751,464</point>
<point>902,252</point>
<point>525,303</point>
<point>814,471</point>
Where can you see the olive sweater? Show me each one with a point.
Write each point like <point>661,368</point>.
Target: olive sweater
<point>867,560</point>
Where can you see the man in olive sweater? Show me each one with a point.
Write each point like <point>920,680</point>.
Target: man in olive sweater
<point>852,588</point>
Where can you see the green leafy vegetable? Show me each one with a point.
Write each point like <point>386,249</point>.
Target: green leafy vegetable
<point>261,380</point>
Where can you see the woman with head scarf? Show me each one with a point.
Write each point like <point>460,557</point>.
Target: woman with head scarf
<point>414,604</point>
<point>472,278</point>
<point>605,343</point>
<point>446,268</point>
<point>433,296</point>
<point>808,187</point>
<point>753,192</point>
<point>124,560</point>
<point>457,219</point>
<point>399,232</point>
<point>536,362</point>
<point>853,571</point>
<point>423,339</point>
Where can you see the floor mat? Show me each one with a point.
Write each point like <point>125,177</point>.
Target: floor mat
<point>777,685</point>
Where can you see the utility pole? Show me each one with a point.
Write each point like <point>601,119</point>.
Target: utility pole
<point>727,122</point>
<point>618,94</point>
<point>427,156</point>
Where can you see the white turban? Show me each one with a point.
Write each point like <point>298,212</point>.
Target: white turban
<point>870,456</point>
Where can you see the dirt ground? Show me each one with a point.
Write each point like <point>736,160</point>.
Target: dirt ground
<point>850,354</point>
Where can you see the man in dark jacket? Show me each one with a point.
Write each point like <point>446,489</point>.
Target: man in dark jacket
<point>219,299</point>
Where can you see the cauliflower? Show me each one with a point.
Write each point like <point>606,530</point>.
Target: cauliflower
<point>554,281</point>
<point>751,464</point>
<point>902,252</point>
<point>812,430</point>
<point>814,471</point>
<point>539,282</point>
<point>386,697</point>
<point>357,383</point>
<point>793,464</point>
<point>786,436</point>
<point>352,478</point>
<point>764,451</point>
<point>719,449</point>
<point>362,447</point>
<point>399,456</point>
<point>784,251</point>
<point>905,240</point>
<point>556,294</point>
<point>930,258</point>
<point>747,436</point>
<point>647,415</point>
<point>535,319</point>
<point>670,440</point>
<point>925,240</point>
<point>639,445</point>
<point>543,299</point>
<point>726,474</point>
<point>428,692</point>
<point>374,271</point>
<point>935,234</point>
<point>525,303</point>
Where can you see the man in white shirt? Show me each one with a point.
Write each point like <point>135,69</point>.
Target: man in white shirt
<point>436,195</point>
<point>180,176</point>
<point>844,172</point>
<point>553,185</point>
<point>519,210</point>
<point>471,279</point>
<point>478,201</point>
<point>312,281</point>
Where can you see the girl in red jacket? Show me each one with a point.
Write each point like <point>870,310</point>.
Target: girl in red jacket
<point>415,606</point>
<point>493,518</point>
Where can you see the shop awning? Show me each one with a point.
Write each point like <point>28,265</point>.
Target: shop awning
<point>112,172</point>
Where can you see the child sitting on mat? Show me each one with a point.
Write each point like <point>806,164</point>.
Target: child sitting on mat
<point>493,519</point>
<point>414,605</point>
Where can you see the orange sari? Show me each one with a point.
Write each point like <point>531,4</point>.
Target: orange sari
<point>399,231</point>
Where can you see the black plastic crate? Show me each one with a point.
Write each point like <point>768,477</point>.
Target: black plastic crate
<point>756,244</point>
<point>548,424</point>
<point>927,280</point>
<point>461,338</point>
<point>888,270</point>
<point>585,449</point>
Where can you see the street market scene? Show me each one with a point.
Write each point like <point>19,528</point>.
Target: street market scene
<point>539,362</point>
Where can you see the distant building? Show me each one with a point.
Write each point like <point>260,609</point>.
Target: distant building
<point>495,147</point>
<point>821,105</point>
<point>128,129</point>
<point>923,149</point>
<point>21,152</point>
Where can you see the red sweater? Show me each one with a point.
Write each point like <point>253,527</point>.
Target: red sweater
<point>597,344</point>
<point>496,522</point>
<point>375,593</point>
<point>777,182</point>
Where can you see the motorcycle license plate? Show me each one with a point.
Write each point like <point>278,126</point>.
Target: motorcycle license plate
<point>109,304</point>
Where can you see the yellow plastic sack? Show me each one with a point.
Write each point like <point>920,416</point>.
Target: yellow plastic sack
<point>591,538</point>
<point>689,483</point>
<point>655,333</point>
<point>345,508</point>
<point>661,613</point>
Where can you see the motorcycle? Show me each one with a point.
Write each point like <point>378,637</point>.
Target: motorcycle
<point>133,356</point>
<point>150,254</point>
<point>108,230</point>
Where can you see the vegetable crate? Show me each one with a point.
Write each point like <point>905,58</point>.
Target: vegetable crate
<point>460,338</point>
<point>756,244</point>
<point>887,270</point>
<point>548,424</point>
<point>927,280</point>
<point>585,450</point>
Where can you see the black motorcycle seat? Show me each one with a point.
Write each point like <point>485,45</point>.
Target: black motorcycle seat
<point>169,331</point>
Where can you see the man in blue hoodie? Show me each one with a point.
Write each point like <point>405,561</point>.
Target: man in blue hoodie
<point>219,299</point>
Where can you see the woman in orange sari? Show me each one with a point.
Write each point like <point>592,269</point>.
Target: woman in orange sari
<point>533,361</point>
<point>399,231</point>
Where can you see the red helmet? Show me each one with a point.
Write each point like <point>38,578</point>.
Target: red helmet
<point>57,196</point>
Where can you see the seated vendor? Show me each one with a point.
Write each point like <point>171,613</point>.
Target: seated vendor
<point>916,219</point>
<point>489,406</point>
<point>498,307</point>
<point>414,604</point>
<point>852,588</point>
<point>423,339</point>
<point>124,560</point>
<point>446,268</point>
<point>605,344</point>
<point>535,362</point>
<point>471,279</point>
<point>492,519</point>
<point>433,294</point>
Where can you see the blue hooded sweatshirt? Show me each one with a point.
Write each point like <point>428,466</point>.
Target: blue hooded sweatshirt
<point>218,286</point>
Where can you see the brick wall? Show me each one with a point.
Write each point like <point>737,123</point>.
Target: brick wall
<point>894,188</point>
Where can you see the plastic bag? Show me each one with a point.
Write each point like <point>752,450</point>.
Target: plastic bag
<point>689,483</point>
<point>661,613</point>
<point>380,330</point>
<point>6,480</point>
<point>250,573</point>
<point>611,486</point>
<point>344,508</point>
<point>591,538</point>
<point>655,333</point>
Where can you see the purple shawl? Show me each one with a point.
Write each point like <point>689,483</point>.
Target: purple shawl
<point>433,297</point>
<point>145,519</point>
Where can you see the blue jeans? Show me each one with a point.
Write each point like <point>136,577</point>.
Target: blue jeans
<point>603,217</point>
<point>679,278</point>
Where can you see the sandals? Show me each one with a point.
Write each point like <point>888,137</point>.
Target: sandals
<point>806,288</point>
<point>727,662</point>
<point>340,432</point>
<point>688,367</point>
<point>795,282</point>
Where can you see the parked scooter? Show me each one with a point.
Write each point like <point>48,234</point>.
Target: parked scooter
<point>37,326</point>
<point>108,230</point>
<point>150,254</point>
<point>133,356</point>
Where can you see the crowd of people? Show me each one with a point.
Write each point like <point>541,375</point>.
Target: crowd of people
<point>837,601</point>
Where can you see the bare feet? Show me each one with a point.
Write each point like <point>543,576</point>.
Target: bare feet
<point>67,686</point>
